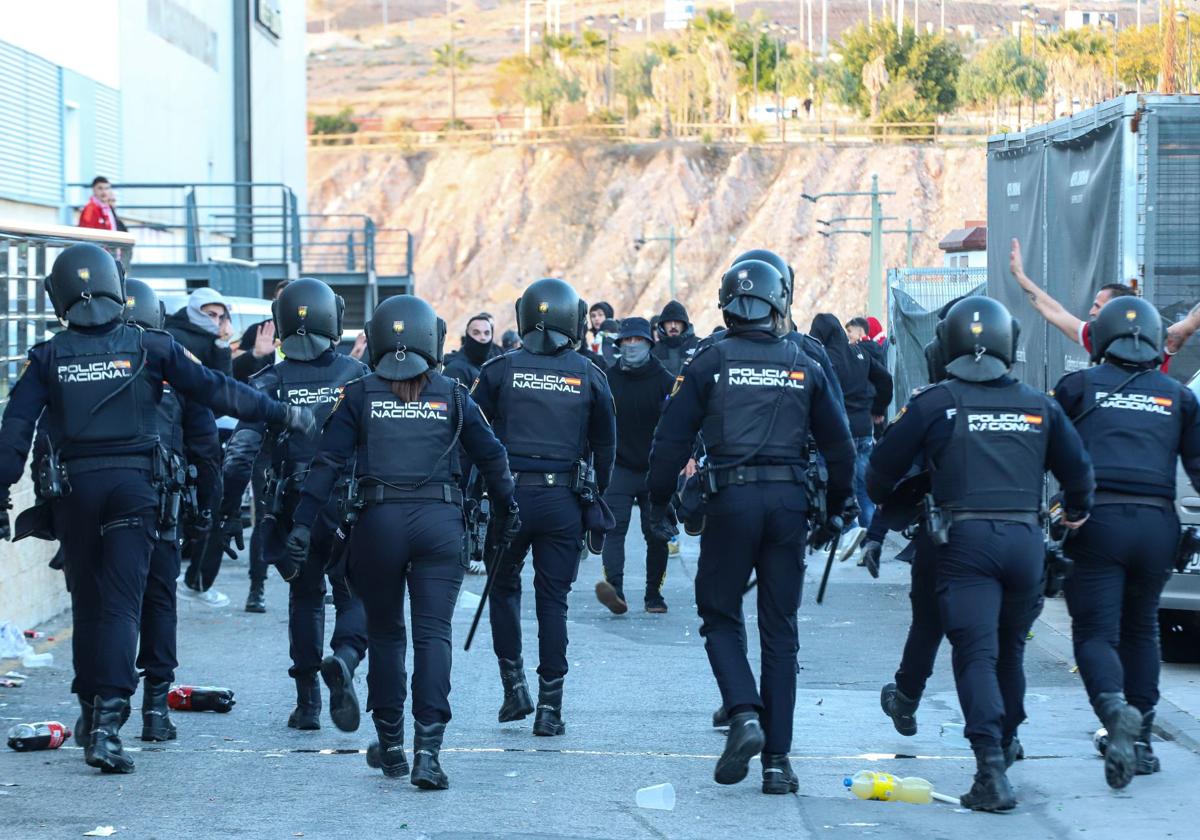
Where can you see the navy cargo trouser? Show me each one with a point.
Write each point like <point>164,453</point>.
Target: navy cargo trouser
<point>760,528</point>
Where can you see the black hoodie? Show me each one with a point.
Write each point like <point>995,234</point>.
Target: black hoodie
<point>674,351</point>
<point>638,396</point>
<point>866,385</point>
<point>201,343</point>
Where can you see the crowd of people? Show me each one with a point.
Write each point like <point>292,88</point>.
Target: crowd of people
<point>759,438</point>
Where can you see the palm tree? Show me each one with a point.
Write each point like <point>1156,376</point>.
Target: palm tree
<point>452,58</point>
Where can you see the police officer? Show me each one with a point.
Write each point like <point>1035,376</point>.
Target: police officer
<point>755,398</point>
<point>308,318</point>
<point>402,427</point>
<point>988,440</point>
<point>100,381</point>
<point>1136,422</point>
<point>189,437</point>
<point>553,411</point>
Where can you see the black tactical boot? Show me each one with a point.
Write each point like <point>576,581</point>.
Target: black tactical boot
<point>991,791</point>
<point>156,717</point>
<point>611,596</point>
<point>517,704</point>
<point>1124,724</point>
<point>83,726</point>
<point>1147,761</point>
<point>777,774</point>
<point>1013,751</point>
<point>256,601</point>
<point>720,718</point>
<point>105,749</point>
<point>307,714</point>
<point>338,673</point>
<point>900,708</point>
<point>387,754</point>
<point>549,709</point>
<point>745,739</point>
<point>427,771</point>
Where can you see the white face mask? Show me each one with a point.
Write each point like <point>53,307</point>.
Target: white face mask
<point>634,353</point>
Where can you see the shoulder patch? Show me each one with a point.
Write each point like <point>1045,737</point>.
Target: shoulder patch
<point>191,356</point>
<point>678,384</point>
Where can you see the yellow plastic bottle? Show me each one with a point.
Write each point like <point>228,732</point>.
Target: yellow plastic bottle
<point>884,787</point>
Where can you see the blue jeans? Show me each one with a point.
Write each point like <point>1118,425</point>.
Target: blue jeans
<point>862,454</point>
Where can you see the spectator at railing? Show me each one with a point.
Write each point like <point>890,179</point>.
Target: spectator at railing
<point>98,212</point>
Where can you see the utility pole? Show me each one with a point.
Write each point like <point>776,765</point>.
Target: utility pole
<point>824,28</point>
<point>876,291</point>
<point>671,238</point>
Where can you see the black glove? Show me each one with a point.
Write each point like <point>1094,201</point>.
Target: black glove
<point>663,523</point>
<point>870,557</point>
<point>5,525</point>
<point>299,419</point>
<point>232,534</point>
<point>823,535</point>
<point>196,528</point>
<point>296,552</point>
<point>508,523</point>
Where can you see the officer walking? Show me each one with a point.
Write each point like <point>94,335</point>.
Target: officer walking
<point>188,436</point>
<point>308,318</point>
<point>755,397</point>
<point>1136,423</point>
<point>553,411</point>
<point>988,440</point>
<point>640,385</point>
<point>398,431</point>
<point>100,381</point>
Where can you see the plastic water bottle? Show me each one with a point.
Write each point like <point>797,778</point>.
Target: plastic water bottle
<point>46,735</point>
<point>200,698</point>
<point>884,787</point>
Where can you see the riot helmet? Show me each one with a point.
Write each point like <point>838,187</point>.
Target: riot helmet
<point>753,291</point>
<point>404,337</point>
<point>772,259</point>
<point>86,287</point>
<point>142,306</point>
<point>1129,329</point>
<point>308,318</point>
<point>978,339</point>
<point>550,316</point>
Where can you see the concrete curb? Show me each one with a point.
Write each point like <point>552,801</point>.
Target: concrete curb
<point>1171,723</point>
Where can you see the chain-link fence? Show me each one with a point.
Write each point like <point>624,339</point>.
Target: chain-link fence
<point>914,296</point>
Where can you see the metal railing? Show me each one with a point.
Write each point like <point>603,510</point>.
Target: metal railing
<point>847,132</point>
<point>27,253</point>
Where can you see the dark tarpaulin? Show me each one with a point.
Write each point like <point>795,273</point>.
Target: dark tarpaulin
<point>1015,210</point>
<point>1083,212</point>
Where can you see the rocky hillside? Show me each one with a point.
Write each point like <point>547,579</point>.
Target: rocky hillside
<point>488,221</point>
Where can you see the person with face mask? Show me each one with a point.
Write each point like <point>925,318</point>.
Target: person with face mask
<point>640,385</point>
<point>477,348</point>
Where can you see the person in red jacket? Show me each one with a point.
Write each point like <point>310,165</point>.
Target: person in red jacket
<point>98,212</point>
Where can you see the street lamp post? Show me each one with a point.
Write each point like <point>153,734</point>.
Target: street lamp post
<point>613,20</point>
<point>670,238</point>
<point>876,293</point>
<point>1182,17</point>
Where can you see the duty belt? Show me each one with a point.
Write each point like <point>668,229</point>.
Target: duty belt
<point>544,479</point>
<point>1024,517</point>
<point>378,493</point>
<point>1107,497</point>
<point>762,472</point>
<point>94,463</point>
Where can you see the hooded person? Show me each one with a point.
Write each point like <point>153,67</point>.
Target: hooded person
<point>477,348</point>
<point>866,393</point>
<point>203,327</point>
<point>677,338</point>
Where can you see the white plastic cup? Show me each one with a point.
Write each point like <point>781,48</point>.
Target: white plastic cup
<point>657,797</point>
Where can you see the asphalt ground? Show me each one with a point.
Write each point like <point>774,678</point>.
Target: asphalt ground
<point>638,702</point>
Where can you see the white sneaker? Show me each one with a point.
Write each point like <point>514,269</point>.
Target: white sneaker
<point>851,540</point>
<point>211,598</point>
<point>477,568</point>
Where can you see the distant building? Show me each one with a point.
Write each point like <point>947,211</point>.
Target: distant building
<point>147,91</point>
<point>966,247</point>
<point>1079,18</point>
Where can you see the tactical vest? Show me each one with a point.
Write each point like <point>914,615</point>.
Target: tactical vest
<point>545,405</point>
<point>996,455</point>
<point>755,376</point>
<point>316,387</point>
<point>1132,434</point>
<point>101,399</point>
<point>170,421</point>
<point>400,443</point>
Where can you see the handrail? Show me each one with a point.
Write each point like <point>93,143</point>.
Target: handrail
<point>17,229</point>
